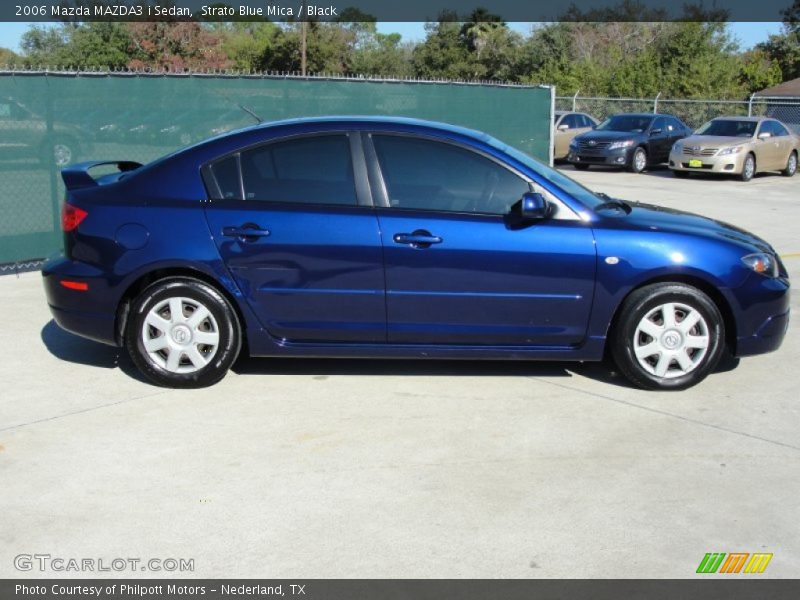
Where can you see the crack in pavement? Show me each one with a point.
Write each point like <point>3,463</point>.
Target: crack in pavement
<point>84,410</point>
<point>669,414</point>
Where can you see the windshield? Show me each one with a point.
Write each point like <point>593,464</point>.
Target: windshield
<point>582,194</point>
<point>631,123</point>
<point>728,128</point>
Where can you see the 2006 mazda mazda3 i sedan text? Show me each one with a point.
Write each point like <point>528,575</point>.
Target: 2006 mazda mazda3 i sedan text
<point>398,238</point>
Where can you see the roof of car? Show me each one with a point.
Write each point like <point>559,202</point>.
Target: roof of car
<point>643,114</point>
<point>369,120</point>
<point>735,118</point>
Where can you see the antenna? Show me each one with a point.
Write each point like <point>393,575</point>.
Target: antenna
<point>251,113</point>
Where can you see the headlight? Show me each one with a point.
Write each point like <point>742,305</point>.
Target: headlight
<point>731,150</point>
<point>762,263</point>
<point>677,146</point>
<point>625,144</point>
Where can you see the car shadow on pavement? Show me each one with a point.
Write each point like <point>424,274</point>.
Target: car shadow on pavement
<point>72,348</point>
<point>325,367</point>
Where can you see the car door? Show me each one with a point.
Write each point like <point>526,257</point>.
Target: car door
<point>659,144</point>
<point>566,130</point>
<point>784,144</point>
<point>766,148</point>
<point>296,231</point>
<point>459,269</point>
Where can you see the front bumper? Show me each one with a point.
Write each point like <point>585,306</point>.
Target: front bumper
<point>731,164</point>
<point>90,313</point>
<point>762,307</point>
<point>619,157</point>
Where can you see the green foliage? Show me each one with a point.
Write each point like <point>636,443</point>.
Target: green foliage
<point>637,55</point>
<point>9,57</point>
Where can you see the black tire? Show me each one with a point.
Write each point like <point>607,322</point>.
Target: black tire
<point>221,321</point>
<point>580,166</point>
<point>680,174</point>
<point>626,337</point>
<point>791,165</point>
<point>748,171</point>
<point>638,160</point>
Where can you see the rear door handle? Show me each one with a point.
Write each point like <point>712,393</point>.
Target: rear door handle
<point>246,232</point>
<point>418,239</point>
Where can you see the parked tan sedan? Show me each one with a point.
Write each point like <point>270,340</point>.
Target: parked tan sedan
<point>566,125</point>
<point>741,146</point>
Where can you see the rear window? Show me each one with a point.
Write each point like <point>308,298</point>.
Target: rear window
<point>308,170</point>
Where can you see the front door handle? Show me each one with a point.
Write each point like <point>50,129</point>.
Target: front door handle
<point>418,239</point>
<point>249,232</point>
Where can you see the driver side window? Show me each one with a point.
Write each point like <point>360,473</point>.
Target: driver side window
<point>422,174</point>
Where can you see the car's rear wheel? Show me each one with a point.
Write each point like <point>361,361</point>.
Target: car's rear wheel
<point>182,333</point>
<point>791,165</point>
<point>638,161</point>
<point>680,174</point>
<point>749,168</point>
<point>581,166</point>
<point>667,336</point>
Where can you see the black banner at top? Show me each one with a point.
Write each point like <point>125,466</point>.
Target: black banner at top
<point>397,10</point>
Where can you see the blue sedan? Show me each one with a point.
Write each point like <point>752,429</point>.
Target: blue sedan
<point>398,238</point>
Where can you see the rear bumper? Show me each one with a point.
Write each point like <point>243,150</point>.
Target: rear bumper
<point>90,313</point>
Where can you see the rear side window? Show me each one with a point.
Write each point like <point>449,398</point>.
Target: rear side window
<point>308,170</point>
<point>427,175</point>
<point>226,174</point>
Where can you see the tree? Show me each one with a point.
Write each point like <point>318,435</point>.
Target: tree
<point>176,46</point>
<point>8,57</point>
<point>249,45</point>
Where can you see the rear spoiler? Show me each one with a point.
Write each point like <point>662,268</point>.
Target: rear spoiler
<point>77,176</point>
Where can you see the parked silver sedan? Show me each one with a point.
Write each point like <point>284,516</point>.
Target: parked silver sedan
<point>741,146</point>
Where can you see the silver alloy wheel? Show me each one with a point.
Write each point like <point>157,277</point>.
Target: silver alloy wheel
<point>671,340</point>
<point>639,160</point>
<point>62,154</point>
<point>180,335</point>
<point>749,167</point>
<point>792,166</point>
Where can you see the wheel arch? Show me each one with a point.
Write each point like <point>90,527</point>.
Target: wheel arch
<point>729,322</point>
<point>148,278</point>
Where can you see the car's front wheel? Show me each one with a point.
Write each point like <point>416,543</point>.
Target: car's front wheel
<point>182,333</point>
<point>749,168</point>
<point>638,161</point>
<point>668,336</point>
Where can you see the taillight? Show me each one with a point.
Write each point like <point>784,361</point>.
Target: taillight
<point>71,216</point>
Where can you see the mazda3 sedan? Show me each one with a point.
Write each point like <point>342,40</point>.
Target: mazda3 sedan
<point>398,238</point>
<point>741,146</point>
<point>633,141</point>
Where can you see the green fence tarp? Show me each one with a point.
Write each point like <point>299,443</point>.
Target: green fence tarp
<point>50,120</point>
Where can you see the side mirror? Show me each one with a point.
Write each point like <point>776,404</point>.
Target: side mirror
<point>655,131</point>
<point>533,206</point>
<point>764,136</point>
<point>563,127</point>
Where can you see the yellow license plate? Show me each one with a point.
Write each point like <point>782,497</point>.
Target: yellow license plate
<point>695,163</point>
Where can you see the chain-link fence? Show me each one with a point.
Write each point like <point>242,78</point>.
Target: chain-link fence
<point>693,112</point>
<point>50,119</point>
